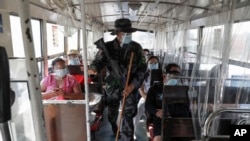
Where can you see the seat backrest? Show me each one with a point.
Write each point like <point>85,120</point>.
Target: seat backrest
<point>75,69</point>
<point>156,77</point>
<point>177,120</point>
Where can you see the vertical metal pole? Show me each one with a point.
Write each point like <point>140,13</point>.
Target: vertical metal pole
<point>78,39</point>
<point>66,46</point>
<point>32,71</point>
<point>44,48</point>
<point>4,128</point>
<point>84,55</point>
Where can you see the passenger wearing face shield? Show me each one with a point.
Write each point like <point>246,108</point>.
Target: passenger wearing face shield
<point>153,104</point>
<point>118,52</point>
<point>60,85</point>
<point>152,64</point>
<point>75,66</point>
<point>73,57</point>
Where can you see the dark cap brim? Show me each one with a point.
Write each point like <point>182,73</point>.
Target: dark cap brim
<point>128,30</point>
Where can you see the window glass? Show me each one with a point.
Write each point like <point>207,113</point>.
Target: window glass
<point>16,35</point>
<point>108,36</point>
<point>36,30</point>
<point>90,40</point>
<point>55,39</point>
<point>212,41</point>
<point>81,43</point>
<point>17,38</point>
<point>192,40</point>
<point>145,39</point>
<point>240,42</point>
<point>72,41</point>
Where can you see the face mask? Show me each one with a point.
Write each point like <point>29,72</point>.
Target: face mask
<point>74,61</point>
<point>126,39</point>
<point>61,72</point>
<point>153,66</point>
<point>171,82</point>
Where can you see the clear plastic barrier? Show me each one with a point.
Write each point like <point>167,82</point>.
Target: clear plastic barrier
<point>18,70</point>
<point>21,122</point>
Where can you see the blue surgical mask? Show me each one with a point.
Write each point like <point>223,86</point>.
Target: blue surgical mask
<point>171,82</point>
<point>126,39</point>
<point>60,72</point>
<point>153,66</point>
<point>74,61</point>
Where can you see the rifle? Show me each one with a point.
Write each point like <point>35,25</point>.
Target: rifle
<point>117,73</point>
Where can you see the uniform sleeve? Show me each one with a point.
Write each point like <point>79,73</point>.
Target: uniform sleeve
<point>150,104</point>
<point>99,62</point>
<point>141,68</point>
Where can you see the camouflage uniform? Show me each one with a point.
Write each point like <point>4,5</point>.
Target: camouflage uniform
<point>115,86</point>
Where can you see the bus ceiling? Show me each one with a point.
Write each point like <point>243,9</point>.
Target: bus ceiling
<point>146,15</point>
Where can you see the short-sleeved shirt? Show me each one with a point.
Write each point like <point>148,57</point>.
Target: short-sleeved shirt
<point>50,83</point>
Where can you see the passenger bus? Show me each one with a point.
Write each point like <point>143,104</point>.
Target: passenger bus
<point>209,39</point>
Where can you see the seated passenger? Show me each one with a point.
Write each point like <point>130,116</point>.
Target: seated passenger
<point>73,57</point>
<point>60,85</point>
<point>74,60</point>
<point>152,64</point>
<point>153,104</point>
<point>172,70</point>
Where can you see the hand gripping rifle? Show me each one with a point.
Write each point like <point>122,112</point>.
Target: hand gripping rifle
<point>116,72</point>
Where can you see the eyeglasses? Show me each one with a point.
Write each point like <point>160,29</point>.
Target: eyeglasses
<point>174,72</point>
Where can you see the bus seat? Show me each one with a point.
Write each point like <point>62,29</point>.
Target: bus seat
<point>75,69</point>
<point>229,101</point>
<point>177,120</point>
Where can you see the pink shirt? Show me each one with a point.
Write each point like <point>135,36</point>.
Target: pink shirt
<point>50,83</point>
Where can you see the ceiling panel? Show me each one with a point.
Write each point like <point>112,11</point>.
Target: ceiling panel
<point>147,13</point>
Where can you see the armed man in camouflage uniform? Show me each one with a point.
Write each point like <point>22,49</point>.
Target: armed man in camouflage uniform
<point>115,56</point>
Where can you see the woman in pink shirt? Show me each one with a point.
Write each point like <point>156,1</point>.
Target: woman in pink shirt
<point>60,85</point>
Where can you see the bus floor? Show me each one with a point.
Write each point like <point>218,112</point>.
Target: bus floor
<point>105,132</point>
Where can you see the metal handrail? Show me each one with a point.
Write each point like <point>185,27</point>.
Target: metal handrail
<point>216,113</point>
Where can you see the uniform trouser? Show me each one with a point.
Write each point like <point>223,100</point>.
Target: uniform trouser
<point>113,96</point>
<point>130,109</point>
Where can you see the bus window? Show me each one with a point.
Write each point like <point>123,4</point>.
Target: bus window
<point>16,35</point>
<point>240,42</point>
<point>212,42</point>
<point>36,30</point>
<point>55,39</point>
<point>108,36</point>
<point>81,43</point>
<point>72,41</point>
<point>146,39</point>
<point>192,40</point>
<point>17,39</point>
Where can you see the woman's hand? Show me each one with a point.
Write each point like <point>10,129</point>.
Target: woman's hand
<point>60,92</point>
